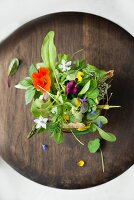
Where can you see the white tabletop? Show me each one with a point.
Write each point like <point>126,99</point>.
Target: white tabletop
<point>14,13</point>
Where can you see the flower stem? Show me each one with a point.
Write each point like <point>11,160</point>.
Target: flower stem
<point>56,80</point>
<point>48,93</point>
<point>102,161</point>
<point>77,52</point>
<point>76,138</point>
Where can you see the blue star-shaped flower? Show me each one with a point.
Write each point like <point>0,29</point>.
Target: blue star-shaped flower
<point>44,147</point>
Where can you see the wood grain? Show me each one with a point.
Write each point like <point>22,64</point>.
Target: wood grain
<point>107,46</point>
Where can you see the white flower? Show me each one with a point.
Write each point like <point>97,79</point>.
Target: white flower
<point>64,66</point>
<point>41,97</point>
<point>54,110</point>
<point>41,122</point>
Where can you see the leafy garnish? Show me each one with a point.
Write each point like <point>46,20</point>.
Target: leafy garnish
<point>30,92</point>
<point>48,51</point>
<point>13,66</point>
<point>106,136</point>
<point>94,145</point>
<point>56,132</point>
<point>24,84</point>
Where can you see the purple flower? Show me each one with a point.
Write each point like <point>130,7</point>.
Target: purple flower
<point>44,147</point>
<point>99,124</point>
<point>71,88</point>
<point>85,99</point>
<point>93,112</point>
<point>84,106</point>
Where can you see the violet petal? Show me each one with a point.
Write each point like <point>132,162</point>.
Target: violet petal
<point>71,88</point>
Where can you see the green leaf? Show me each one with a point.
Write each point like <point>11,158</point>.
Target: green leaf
<point>106,136</point>
<point>93,94</point>
<point>92,117</point>
<point>64,57</point>
<point>85,88</point>
<point>58,137</point>
<point>92,127</point>
<point>46,108</point>
<point>101,119</point>
<point>39,107</point>
<point>29,94</point>
<point>78,116</point>
<point>32,69</point>
<point>98,72</point>
<point>24,84</point>
<point>36,107</point>
<point>13,66</point>
<point>72,118</point>
<point>71,76</point>
<point>94,145</point>
<point>37,94</point>
<point>56,132</point>
<point>80,64</point>
<point>93,85</point>
<point>48,51</point>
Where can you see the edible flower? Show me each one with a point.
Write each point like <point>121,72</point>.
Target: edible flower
<point>81,163</point>
<point>65,65</point>
<point>66,117</point>
<point>84,106</point>
<point>93,112</point>
<point>77,102</point>
<point>71,88</point>
<point>41,79</point>
<point>44,147</point>
<point>41,122</point>
<point>44,97</point>
<point>84,128</point>
<point>99,124</point>
<point>79,76</point>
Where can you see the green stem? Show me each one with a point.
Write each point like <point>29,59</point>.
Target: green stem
<point>48,93</point>
<point>102,161</point>
<point>77,138</point>
<point>56,80</point>
<point>77,52</point>
<point>52,104</point>
<point>106,107</point>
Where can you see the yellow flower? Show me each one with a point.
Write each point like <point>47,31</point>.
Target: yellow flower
<point>83,128</point>
<point>77,102</point>
<point>66,117</point>
<point>79,76</point>
<point>81,163</point>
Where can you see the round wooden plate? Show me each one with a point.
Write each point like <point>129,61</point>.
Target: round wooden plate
<point>105,45</point>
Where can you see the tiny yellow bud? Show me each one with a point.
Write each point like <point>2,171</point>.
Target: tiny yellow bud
<point>66,117</point>
<point>81,163</point>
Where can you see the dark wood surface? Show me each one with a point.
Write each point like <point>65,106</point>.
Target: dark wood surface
<point>107,46</point>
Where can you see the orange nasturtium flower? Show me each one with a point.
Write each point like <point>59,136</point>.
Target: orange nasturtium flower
<point>41,79</point>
